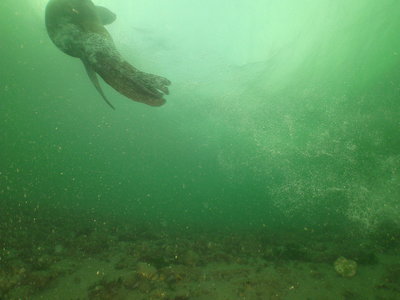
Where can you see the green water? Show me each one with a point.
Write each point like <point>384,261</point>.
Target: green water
<point>281,113</point>
<point>279,143</point>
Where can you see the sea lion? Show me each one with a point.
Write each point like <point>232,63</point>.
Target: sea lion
<point>106,16</point>
<point>76,27</point>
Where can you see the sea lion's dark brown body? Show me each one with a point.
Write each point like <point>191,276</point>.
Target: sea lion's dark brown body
<point>75,27</point>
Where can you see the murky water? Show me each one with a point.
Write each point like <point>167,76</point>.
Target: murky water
<point>282,117</point>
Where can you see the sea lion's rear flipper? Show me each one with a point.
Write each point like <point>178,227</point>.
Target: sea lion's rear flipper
<point>93,77</point>
<point>129,81</point>
<point>105,15</point>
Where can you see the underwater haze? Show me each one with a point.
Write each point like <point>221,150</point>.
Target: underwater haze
<point>282,116</point>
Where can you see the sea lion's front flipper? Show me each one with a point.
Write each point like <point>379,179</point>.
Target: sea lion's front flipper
<point>105,15</point>
<point>93,77</point>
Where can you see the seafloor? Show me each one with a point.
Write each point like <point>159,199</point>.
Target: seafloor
<point>70,254</point>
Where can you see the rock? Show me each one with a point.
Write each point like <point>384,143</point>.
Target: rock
<point>146,271</point>
<point>190,258</point>
<point>345,267</point>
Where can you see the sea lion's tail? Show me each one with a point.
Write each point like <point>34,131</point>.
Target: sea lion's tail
<point>129,81</point>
